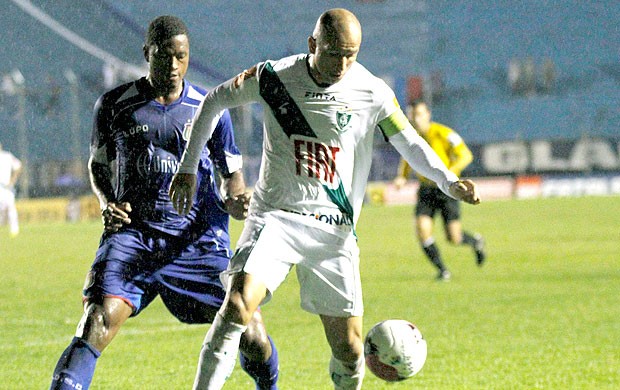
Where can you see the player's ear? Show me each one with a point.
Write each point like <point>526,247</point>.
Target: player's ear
<point>145,51</point>
<point>311,44</point>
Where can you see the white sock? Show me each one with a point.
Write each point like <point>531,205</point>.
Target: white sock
<point>346,377</point>
<point>218,354</point>
<point>13,221</point>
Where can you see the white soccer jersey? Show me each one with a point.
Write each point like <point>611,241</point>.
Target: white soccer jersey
<point>8,164</point>
<point>317,146</point>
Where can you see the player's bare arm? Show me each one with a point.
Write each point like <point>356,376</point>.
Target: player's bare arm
<point>113,214</point>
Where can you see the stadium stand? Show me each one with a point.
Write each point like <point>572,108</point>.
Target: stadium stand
<point>461,52</point>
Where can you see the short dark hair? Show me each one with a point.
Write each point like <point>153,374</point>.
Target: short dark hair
<point>163,28</point>
<point>416,102</point>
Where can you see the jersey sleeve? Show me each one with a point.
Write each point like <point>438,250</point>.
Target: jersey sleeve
<point>100,133</point>
<point>387,106</point>
<point>224,152</point>
<point>416,151</point>
<point>235,92</point>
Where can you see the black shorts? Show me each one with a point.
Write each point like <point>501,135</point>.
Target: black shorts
<point>432,199</point>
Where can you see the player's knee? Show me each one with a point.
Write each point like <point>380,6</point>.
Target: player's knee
<point>238,310</point>
<point>255,343</point>
<point>94,327</point>
<point>455,240</point>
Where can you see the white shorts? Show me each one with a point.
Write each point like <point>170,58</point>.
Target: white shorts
<point>326,260</point>
<point>7,199</point>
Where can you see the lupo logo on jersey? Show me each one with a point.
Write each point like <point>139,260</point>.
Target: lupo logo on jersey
<point>156,162</point>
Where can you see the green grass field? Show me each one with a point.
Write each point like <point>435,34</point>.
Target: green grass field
<point>543,313</point>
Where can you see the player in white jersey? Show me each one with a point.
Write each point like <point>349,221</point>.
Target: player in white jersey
<point>10,169</point>
<point>321,110</point>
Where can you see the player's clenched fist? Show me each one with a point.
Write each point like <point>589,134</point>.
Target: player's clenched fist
<point>237,206</point>
<point>465,190</point>
<point>115,215</point>
<point>182,191</point>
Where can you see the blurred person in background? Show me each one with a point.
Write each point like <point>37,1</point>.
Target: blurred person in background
<point>322,109</point>
<point>10,169</point>
<point>147,249</point>
<point>455,154</point>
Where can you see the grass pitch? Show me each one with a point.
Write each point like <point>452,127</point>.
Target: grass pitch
<point>543,313</point>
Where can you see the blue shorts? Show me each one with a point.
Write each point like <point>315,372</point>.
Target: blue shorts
<point>137,265</point>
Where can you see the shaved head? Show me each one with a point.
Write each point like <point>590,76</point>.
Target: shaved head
<point>334,43</point>
<point>340,23</point>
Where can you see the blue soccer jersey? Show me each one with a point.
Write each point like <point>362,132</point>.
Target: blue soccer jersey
<point>142,142</point>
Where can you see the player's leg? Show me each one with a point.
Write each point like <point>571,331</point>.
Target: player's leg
<point>424,231</point>
<point>476,241</point>
<point>253,272</point>
<point>424,213</point>
<point>259,356</point>
<point>110,298</point>
<point>221,345</point>
<point>12,215</point>
<point>454,232</point>
<point>100,323</point>
<point>2,207</point>
<point>451,213</point>
<point>330,286</point>
<point>344,335</point>
<point>191,289</point>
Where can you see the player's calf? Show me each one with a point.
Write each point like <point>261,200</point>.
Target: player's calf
<point>218,354</point>
<point>347,376</point>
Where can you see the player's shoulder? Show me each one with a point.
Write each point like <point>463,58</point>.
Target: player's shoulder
<point>359,77</point>
<point>446,133</point>
<point>125,92</point>
<point>193,93</point>
<point>441,129</point>
<point>359,72</point>
<point>284,64</point>
<point>361,81</point>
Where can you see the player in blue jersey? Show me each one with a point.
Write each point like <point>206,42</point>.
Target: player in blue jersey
<point>147,248</point>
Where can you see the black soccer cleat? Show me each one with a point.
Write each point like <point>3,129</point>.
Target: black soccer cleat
<point>479,249</point>
<point>444,276</point>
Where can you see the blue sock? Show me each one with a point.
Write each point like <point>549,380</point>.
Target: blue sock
<point>76,366</point>
<point>265,374</point>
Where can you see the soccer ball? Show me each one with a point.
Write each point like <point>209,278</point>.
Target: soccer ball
<point>395,350</point>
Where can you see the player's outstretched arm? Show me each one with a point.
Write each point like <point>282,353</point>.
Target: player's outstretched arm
<point>465,190</point>
<point>182,191</point>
